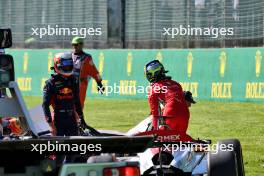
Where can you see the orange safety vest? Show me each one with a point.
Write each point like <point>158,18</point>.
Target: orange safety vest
<point>84,68</point>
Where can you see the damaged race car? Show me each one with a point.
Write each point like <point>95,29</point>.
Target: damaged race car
<point>27,146</point>
<point>140,151</point>
<point>175,153</point>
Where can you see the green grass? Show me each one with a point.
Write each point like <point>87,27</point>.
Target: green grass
<point>209,120</point>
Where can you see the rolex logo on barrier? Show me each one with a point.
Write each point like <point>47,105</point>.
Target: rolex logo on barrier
<point>159,57</point>
<point>25,62</point>
<point>258,59</point>
<point>222,59</point>
<point>101,63</point>
<point>129,63</point>
<point>24,83</point>
<point>189,64</point>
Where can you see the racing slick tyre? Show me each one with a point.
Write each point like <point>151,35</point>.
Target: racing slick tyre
<point>226,162</point>
<point>238,152</point>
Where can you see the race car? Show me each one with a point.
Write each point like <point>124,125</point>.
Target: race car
<point>174,153</point>
<point>170,152</point>
<point>137,152</point>
<point>23,141</point>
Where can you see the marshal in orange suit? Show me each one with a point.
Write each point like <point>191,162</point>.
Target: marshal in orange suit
<point>84,68</point>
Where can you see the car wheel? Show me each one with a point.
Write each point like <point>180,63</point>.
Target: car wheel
<point>238,152</point>
<point>226,162</point>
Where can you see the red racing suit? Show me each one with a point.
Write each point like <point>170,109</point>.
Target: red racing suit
<point>176,112</point>
<point>84,69</point>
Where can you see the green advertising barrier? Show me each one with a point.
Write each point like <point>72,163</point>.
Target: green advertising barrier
<point>231,74</point>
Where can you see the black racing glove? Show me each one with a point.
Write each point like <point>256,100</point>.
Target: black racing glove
<point>100,87</point>
<point>82,123</point>
<point>83,126</point>
<point>188,97</point>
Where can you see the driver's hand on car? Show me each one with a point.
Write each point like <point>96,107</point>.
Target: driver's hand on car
<point>52,129</point>
<point>82,123</point>
<point>51,125</point>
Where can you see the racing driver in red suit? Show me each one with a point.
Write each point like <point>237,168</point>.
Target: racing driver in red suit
<point>168,92</point>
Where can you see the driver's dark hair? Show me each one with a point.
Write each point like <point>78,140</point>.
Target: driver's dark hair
<point>166,77</point>
<point>163,76</point>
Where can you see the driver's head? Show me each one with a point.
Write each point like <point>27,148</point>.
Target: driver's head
<point>154,71</point>
<point>189,98</point>
<point>63,64</point>
<point>77,45</point>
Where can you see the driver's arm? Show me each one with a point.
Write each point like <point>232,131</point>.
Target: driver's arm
<point>154,107</point>
<point>47,97</point>
<point>77,103</point>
